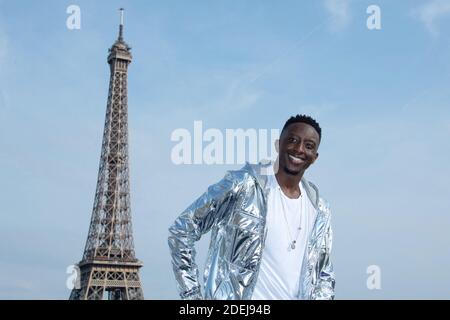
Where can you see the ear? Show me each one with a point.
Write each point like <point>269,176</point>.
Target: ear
<point>317,156</point>
<point>277,145</point>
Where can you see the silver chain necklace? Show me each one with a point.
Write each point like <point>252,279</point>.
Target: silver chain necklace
<point>292,242</point>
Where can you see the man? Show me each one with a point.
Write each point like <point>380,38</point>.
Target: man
<point>271,233</point>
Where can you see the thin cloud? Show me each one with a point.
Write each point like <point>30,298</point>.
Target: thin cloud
<point>3,58</point>
<point>339,12</point>
<point>3,45</point>
<point>432,11</point>
<point>239,95</point>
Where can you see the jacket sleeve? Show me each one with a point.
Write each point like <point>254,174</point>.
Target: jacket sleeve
<point>188,228</point>
<point>324,289</point>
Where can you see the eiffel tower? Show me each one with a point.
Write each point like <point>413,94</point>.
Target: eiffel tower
<point>109,268</point>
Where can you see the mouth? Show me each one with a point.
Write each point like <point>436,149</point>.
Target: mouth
<point>296,160</point>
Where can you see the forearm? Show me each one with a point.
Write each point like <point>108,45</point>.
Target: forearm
<point>324,289</point>
<point>182,237</point>
<point>188,228</point>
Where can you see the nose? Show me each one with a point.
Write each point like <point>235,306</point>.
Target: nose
<point>299,148</point>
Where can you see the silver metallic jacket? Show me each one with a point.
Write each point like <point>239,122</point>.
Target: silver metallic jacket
<point>234,209</point>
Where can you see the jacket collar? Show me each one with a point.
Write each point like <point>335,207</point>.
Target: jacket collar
<point>262,170</point>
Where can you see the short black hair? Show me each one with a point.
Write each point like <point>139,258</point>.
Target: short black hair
<point>305,119</point>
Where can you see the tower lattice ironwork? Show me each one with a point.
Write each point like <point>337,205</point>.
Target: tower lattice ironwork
<point>109,268</point>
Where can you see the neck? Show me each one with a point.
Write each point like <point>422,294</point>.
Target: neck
<point>288,182</point>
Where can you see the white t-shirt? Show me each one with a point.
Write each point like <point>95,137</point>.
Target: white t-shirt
<point>280,267</point>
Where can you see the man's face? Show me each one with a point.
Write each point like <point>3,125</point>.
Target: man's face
<point>298,147</point>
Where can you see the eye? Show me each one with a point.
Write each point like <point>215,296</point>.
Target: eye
<point>309,146</point>
<point>292,140</point>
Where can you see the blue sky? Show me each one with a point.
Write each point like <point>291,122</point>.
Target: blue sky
<point>381,96</point>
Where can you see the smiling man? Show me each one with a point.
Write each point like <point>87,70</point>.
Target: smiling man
<point>271,231</point>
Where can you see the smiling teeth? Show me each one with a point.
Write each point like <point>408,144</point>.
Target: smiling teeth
<point>295,159</point>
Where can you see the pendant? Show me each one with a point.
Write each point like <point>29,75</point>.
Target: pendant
<point>293,245</point>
